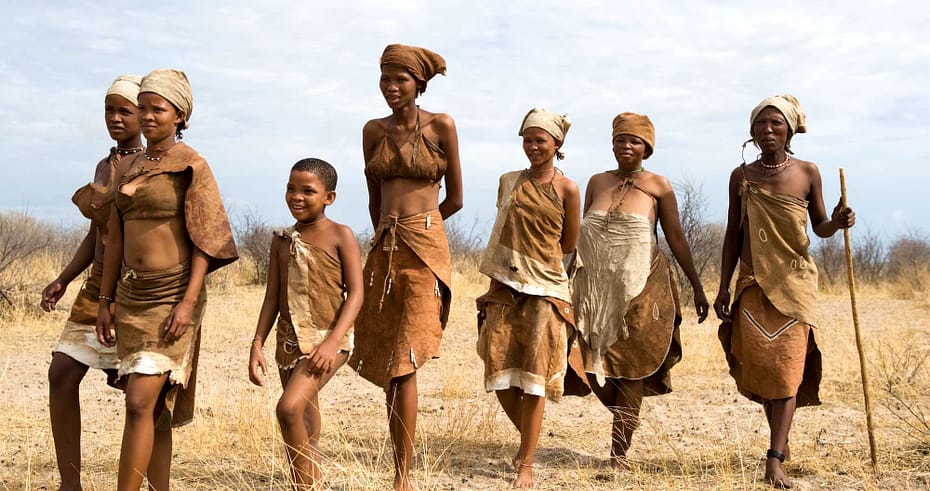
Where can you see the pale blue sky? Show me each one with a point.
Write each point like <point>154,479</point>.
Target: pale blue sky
<point>278,81</point>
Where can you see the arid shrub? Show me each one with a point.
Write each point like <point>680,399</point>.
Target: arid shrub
<point>908,264</point>
<point>253,237</point>
<point>23,238</point>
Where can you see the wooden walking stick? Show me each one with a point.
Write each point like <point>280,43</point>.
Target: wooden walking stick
<point>855,316</point>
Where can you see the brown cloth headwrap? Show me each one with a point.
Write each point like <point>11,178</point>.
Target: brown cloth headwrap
<point>422,63</point>
<point>127,87</point>
<point>790,108</point>
<point>637,125</point>
<point>173,86</point>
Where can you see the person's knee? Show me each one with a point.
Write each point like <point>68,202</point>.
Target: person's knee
<point>64,373</point>
<point>139,406</point>
<point>289,412</point>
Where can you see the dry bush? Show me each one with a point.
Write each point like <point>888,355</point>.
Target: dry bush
<point>253,237</point>
<point>903,377</point>
<point>466,241</point>
<point>22,240</point>
<point>869,259</point>
<point>908,265</point>
<point>830,257</point>
<point>704,238</point>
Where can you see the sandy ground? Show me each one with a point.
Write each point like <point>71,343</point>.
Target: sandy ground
<point>703,435</point>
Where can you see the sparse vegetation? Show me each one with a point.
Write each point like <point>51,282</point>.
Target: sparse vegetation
<point>703,435</point>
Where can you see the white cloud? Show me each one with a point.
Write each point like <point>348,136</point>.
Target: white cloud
<point>290,79</point>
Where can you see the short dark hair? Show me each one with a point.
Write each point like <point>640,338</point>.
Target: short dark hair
<point>322,168</point>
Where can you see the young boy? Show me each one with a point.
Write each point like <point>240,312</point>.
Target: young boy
<point>315,284</point>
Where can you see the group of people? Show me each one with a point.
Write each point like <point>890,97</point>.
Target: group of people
<point>581,298</point>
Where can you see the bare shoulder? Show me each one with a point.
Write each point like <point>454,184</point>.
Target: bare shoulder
<point>600,179</point>
<point>373,125</point>
<point>278,244</point>
<point>810,168</point>
<point>656,184</point>
<point>344,235</point>
<point>441,123</point>
<point>565,184</point>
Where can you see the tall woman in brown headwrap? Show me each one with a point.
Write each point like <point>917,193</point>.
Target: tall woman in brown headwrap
<point>769,335</point>
<point>168,230</point>
<point>408,272</point>
<point>78,347</point>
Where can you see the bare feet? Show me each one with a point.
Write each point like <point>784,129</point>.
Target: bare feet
<point>402,483</point>
<point>619,462</point>
<point>775,474</point>
<point>524,475</point>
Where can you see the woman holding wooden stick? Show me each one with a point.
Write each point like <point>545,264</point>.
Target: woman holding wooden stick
<point>769,334</point>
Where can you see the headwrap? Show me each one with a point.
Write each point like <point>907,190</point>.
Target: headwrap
<point>790,108</point>
<point>422,63</point>
<point>555,124</point>
<point>637,125</point>
<point>127,87</point>
<point>173,86</point>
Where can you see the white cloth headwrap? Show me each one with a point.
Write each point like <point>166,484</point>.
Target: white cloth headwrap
<point>173,86</point>
<point>127,87</point>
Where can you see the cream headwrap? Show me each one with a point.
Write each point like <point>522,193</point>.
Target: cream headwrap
<point>421,62</point>
<point>637,125</point>
<point>790,108</point>
<point>555,124</point>
<point>127,87</point>
<point>173,86</point>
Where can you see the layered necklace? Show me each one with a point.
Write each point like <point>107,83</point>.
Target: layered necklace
<point>769,170</point>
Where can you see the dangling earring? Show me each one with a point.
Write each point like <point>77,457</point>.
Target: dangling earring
<point>743,151</point>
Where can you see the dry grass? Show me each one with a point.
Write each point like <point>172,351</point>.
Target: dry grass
<point>703,435</point>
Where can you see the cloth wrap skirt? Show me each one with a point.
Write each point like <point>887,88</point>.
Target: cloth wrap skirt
<point>770,355</point>
<point>79,337</point>
<point>408,276</point>
<point>523,341</point>
<point>144,300</point>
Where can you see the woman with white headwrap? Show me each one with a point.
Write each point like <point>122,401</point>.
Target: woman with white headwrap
<point>78,348</point>
<point>526,318</point>
<point>168,230</point>
<point>769,333</point>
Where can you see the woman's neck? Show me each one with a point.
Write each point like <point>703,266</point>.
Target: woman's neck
<point>158,148</point>
<point>134,142</point>
<point>774,158</point>
<point>406,116</point>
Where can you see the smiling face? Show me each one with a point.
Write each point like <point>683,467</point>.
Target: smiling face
<point>158,117</point>
<point>398,86</point>
<point>629,151</point>
<point>121,118</point>
<point>539,146</point>
<point>770,130</point>
<point>307,196</point>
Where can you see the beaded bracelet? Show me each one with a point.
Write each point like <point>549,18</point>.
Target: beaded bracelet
<point>104,297</point>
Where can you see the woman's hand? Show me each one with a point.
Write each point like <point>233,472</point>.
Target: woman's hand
<point>258,367</point>
<point>322,358</point>
<point>700,304</point>
<point>106,332</point>
<point>843,216</point>
<point>722,305</point>
<point>179,321</point>
<point>51,294</point>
